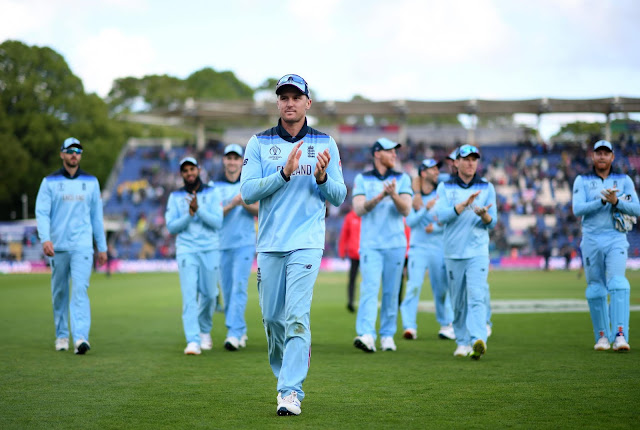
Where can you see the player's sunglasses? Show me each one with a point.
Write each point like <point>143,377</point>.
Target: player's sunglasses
<point>293,80</point>
<point>466,150</point>
<point>72,151</point>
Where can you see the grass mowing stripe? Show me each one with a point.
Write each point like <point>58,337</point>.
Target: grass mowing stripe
<point>540,370</point>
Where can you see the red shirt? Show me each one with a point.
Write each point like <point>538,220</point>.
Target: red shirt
<point>349,243</point>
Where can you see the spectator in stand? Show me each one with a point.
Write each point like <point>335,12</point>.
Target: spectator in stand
<point>237,245</point>
<point>608,204</point>
<point>69,217</point>
<point>194,214</point>
<point>349,246</point>
<point>382,197</point>
<point>426,252</point>
<point>467,208</point>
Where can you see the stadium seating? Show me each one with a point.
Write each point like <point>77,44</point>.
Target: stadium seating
<point>533,184</point>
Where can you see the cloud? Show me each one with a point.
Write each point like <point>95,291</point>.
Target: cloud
<point>109,55</point>
<point>20,18</point>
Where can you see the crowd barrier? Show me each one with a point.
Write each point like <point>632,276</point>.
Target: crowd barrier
<point>327,265</point>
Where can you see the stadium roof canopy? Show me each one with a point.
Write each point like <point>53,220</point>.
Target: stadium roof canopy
<point>238,110</point>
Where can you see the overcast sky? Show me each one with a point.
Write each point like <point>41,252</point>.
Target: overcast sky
<point>382,50</point>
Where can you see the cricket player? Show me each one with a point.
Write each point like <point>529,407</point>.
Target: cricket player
<point>291,169</point>
<point>69,217</point>
<point>194,214</point>
<point>237,247</point>
<point>426,252</point>
<point>381,197</point>
<point>608,204</point>
<point>467,208</point>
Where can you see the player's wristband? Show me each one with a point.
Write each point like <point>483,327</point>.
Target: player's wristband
<point>326,177</point>
<point>284,176</point>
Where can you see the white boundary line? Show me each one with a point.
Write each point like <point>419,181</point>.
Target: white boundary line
<point>528,306</point>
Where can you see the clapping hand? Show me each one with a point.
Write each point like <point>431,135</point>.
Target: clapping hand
<point>431,203</point>
<point>321,166</point>
<point>610,195</point>
<point>482,210</point>
<point>193,204</point>
<point>293,159</point>
<point>390,187</point>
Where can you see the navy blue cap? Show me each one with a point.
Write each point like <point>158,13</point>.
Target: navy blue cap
<point>467,150</point>
<point>69,142</point>
<point>429,163</point>
<point>190,160</point>
<point>603,144</point>
<point>295,81</point>
<point>233,148</point>
<point>384,144</point>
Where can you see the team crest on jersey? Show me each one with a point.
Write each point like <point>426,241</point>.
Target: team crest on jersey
<point>60,186</point>
<point>311,153</point>
<point>84,186</point>
<point>275,152</point>
<point>615,184</point>
<point>593,185</point>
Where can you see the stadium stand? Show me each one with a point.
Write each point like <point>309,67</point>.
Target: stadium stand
<point>533,183</point>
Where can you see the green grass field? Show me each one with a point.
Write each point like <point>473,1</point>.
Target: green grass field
<point>540,370</point>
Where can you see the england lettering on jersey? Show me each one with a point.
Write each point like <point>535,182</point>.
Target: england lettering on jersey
<point>291,214</point>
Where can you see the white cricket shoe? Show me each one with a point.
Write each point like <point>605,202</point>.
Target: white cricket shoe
<point>478,349</point>
<point>288,405</point>
<point>62,344</point>
<point>462,351</point>
<point>192,349</point>
<point>365,343</point>
<point>602,344</point>
<point>81,347</point>
<point>242,343</point>
<point>446,332</point>
<point>205,341</point>
<point>410,333</point>
<point>231,343</point>
<point>387,343</point>
<point>620,343</point>
<point>489,331</point>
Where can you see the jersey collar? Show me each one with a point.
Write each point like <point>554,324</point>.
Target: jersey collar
<point>284,134</point>
<point>461,183</point>
<point>66,174</point>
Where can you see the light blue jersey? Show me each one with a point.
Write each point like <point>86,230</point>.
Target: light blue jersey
<point>238,227</point>
<point>466,251</point>
<point>465,235</point>
<point>291,234</point>
<point>199,232</point>
<point>425,252</point>
<point>604,251</point>
<point>289,217</point>
<point>597,218</point>
<point>69,212</point>
<point>198,256</point>
<point>419,220</point>
<point>383,226</point>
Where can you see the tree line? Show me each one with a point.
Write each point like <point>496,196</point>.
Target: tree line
<point>42,103</point>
